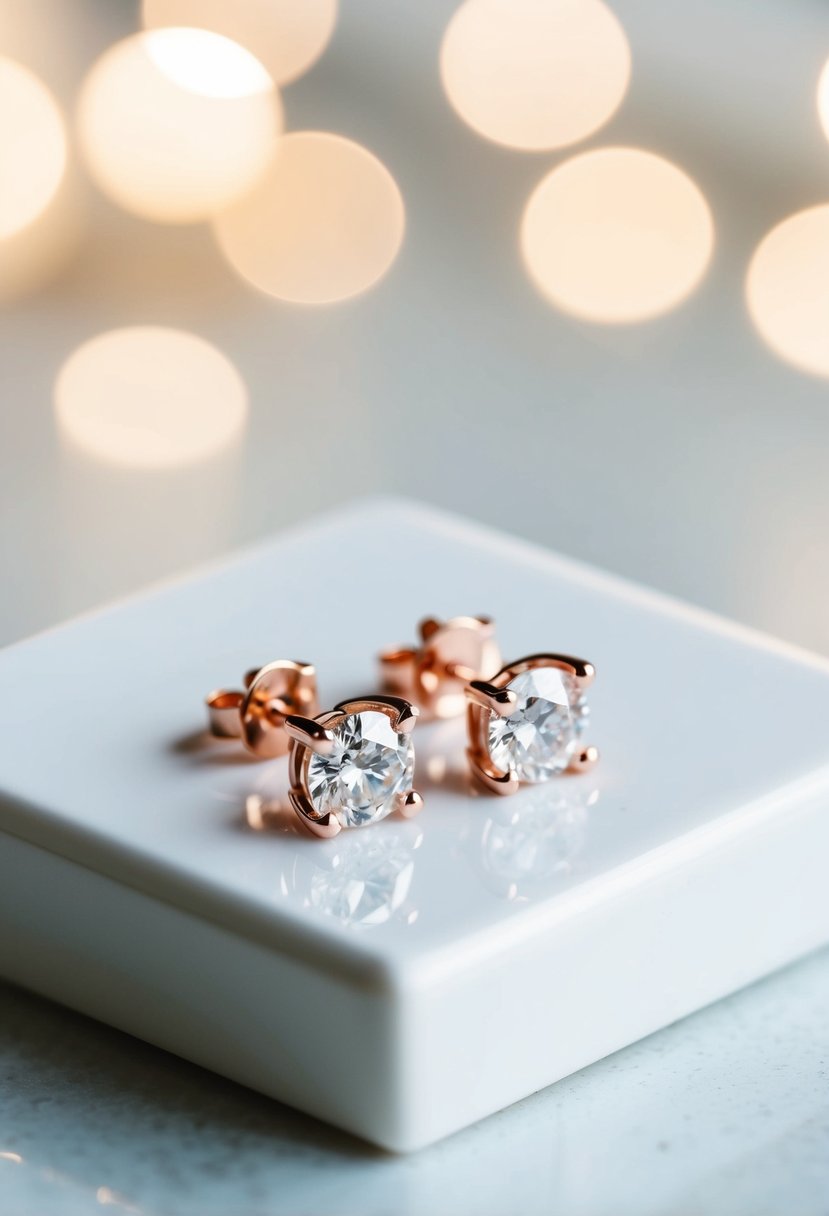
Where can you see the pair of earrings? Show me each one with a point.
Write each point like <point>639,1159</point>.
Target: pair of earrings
<point>354,764</point>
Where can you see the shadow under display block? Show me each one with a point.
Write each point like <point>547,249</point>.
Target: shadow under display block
<point>406,979</point>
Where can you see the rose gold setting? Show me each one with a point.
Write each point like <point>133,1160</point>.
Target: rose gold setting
<point>433,674</point>
<point>485,697</point>
<point>257,716</point>
<point>310,735</point>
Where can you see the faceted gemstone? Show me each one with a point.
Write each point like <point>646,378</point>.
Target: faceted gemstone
<point>540,736</point>
<point>369,766</point>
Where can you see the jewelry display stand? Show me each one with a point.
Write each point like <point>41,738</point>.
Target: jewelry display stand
<point>406,979</point>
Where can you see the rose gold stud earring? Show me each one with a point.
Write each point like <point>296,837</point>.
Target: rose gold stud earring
<point>353,765</point>
<point>526,723</point>
<point>433,674</point>
<point>257,716</point>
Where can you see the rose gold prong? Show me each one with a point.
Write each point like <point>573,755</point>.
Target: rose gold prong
<point>501,701</point>
<point>410,804</point>
<point>407,719</point>
<point>310,734</point>
<point>584,760</point>
<point>585,672</point>
<point>498,783</point>
<point>323,825</point>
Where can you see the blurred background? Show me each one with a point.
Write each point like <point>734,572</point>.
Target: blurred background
<point>560,268</point>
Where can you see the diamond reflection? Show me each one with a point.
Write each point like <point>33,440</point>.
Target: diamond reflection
<point>527,841</point>
<point>362,879</point>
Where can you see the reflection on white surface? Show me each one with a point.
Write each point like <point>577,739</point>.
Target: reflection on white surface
<point>324,223</point>
<point>150,398</point>
<point>527,840</point>
<point>176,124</point>
<point>617,235</point>
<point>535,74</point>
<point>787,289</point>
<point>32,148</point>
<point>363,879</point>
<point>288,37</point>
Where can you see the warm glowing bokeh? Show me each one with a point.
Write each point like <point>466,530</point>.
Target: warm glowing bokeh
<point>325,222</point>
<point>175,124</point>
<point>32,148</point>
<point>287,36</point>
<point>823,99</point>
<point>787,289</point>
<point>535,74</point>
<point>617,235</point>
<point>208,66</point>
<point>150,398</point>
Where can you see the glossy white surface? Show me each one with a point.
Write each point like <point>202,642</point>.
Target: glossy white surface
<point>600,907</point>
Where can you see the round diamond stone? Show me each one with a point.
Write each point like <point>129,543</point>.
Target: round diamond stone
<point>539,737</point>
<point>369,766</point>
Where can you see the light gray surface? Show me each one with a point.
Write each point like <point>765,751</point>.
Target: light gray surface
<point>724,1113</point>
<point>706,476</point>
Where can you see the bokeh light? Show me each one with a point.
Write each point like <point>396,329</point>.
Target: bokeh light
<point>150,398</point>
<point>287,36</point>
<point>617,235</point>
<point>32,148</point>
<point>823,99</point>
<point>323,224</point>
<point>175,124</point>
<point>535,74</point>
<point>787,289</point>
<point>209,66</point>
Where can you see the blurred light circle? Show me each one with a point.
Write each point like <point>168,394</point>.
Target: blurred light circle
<point>37,253</point>
<point>535,74</point>
<point>287,36</point>
<point>787,289</point>
<point>150,398</point>
<point>177,123</point>
<point>32,148</point>
<point>823,99</point>
<point>617,235</point>
<point>323,224</point>
<point>209,66</point>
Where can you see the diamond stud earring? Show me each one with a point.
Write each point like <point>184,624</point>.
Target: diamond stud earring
<point>353,765</point>
<point>257,716</point>
<point>433,674</point>
<point>526,723</point>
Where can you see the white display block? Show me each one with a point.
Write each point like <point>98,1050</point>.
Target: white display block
<point>406,979</point>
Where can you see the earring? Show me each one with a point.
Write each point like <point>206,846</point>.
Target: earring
<point>257,716</point>
<point>526,723</point>
<point>433,674</point>
<point>353,765</point>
